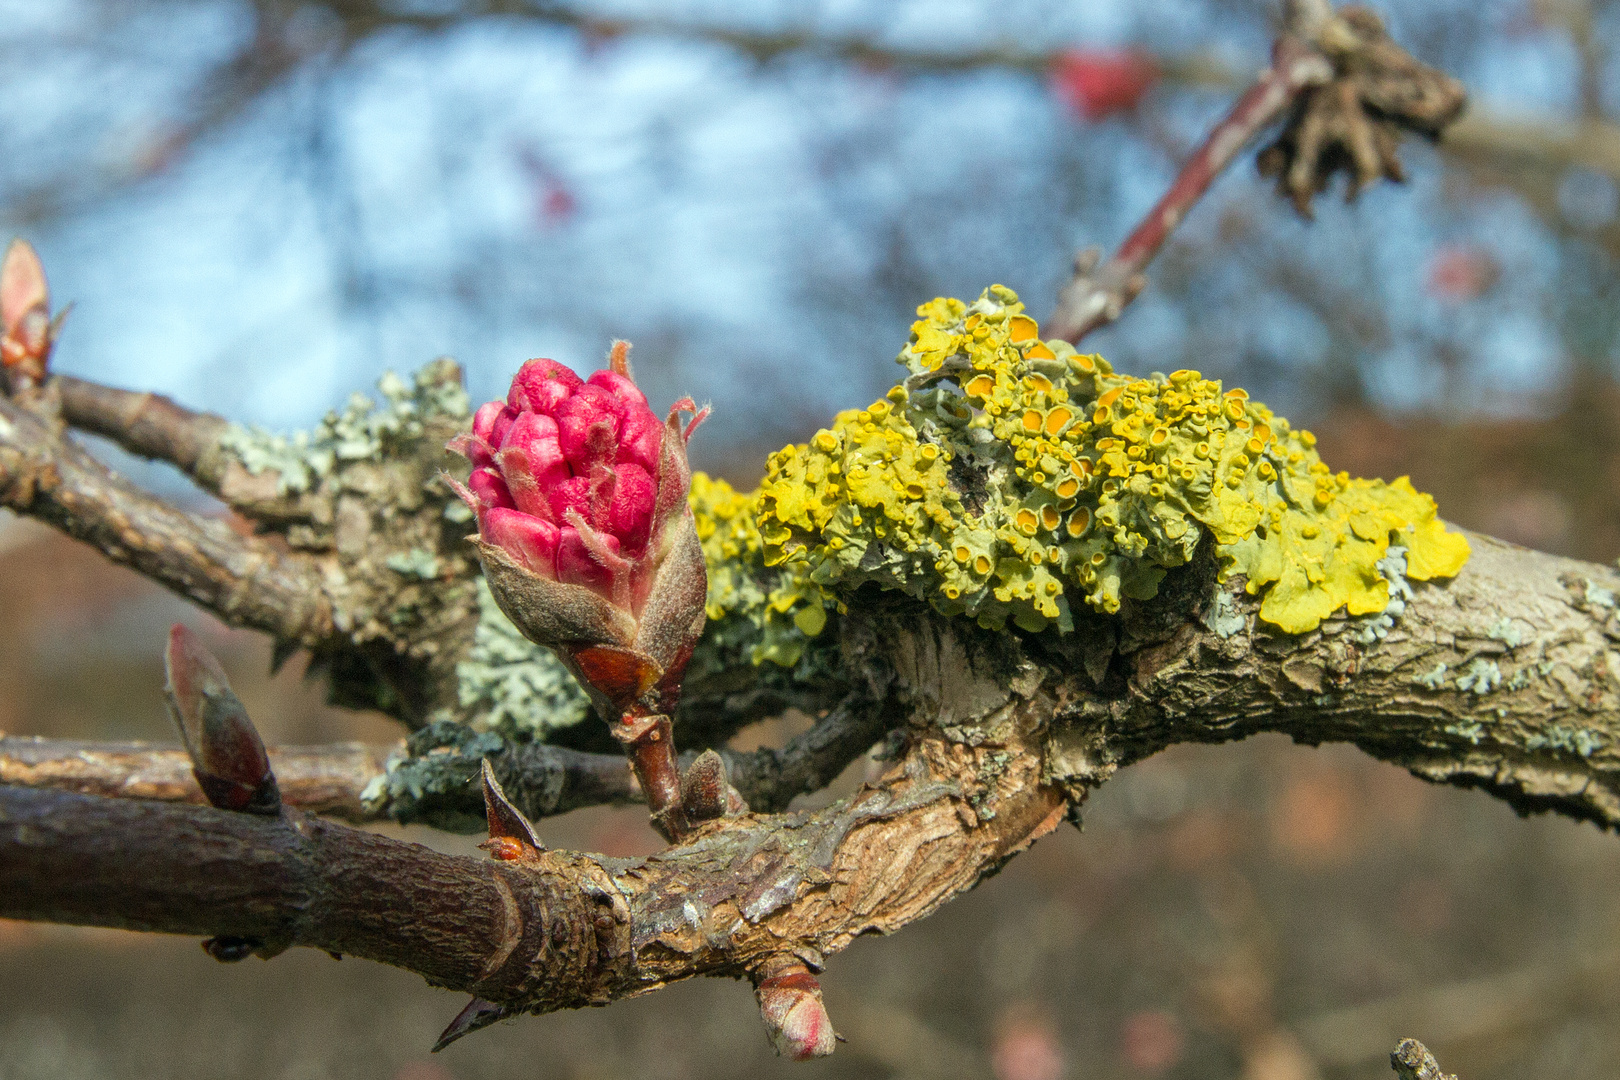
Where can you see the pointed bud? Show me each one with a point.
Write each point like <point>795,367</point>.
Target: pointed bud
<point>228,949</point>
<point>478,1014</point>
<point>26,330</point>
<point>796,1021</point>
<point>511,836</point>
<point>227,755</point>
<point>704,789</point>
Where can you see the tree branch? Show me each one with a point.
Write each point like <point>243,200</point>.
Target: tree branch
<point>1097,295</point>
<point>317,779</point>
<point>1499,678</point>
<point>540,780</point>
<point>244,580</point>
<point>148,425</point>
<point>563,931</point>
<point>770,779</point>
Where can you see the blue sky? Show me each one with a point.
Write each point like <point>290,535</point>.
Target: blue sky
<point>384,208</point>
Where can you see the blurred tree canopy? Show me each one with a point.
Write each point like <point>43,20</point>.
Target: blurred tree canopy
<point>264,203</point>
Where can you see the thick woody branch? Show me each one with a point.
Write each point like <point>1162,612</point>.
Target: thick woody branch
<point>1501,678</point>
<point>561,930</point>
<point>279,881</point>
<point>244,580</point>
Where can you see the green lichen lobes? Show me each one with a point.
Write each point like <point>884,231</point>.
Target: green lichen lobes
<point>1007,474</point>
<point>361,431</point>
<point>742,588</point>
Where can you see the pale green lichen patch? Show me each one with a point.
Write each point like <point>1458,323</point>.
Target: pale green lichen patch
<point>1471,730</point>
<point>429,783</point>
<point>1481,677</point>
<point>364,429</point>
<point>1582,741</point>
<point>414,563</point>
<point>515,688</point>
<point>1223,618</point>
<point>1007,474</point>
<point>1435,678</point>
<point>1505,631</point>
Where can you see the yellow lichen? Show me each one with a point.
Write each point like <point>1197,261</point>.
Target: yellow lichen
<point>738,578</point>
<point>1006,475</point>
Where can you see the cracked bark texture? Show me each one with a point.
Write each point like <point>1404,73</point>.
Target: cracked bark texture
<point>1504,678</point>
<point>1002,733</point>
<point>574,929</point>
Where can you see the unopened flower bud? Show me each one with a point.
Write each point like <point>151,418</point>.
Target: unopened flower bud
<point>584,530</point>
<point>27,331</point>
<point>796,1021</point>
<point>227,756</point>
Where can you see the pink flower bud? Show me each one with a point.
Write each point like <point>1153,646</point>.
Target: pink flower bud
<point>27,331</point>
<point>583,524</point>
<point>796,1021</point>
<point>532,542</point>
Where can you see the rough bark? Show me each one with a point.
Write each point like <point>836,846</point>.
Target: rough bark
<point>1502,678</point>
<point>1525,705</point>
<point>245,580</point>
<point>1004,733</point>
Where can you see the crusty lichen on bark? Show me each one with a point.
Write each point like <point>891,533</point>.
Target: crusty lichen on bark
<point>1007,474</point>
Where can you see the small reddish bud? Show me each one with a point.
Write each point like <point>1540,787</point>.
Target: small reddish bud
<point>796,1021</point>
<point>1097,83</point>
<point>511,836</point>
<point>1460,273</point>
<point>27,331</point>
<point>227,755</point>
<point>704,789</point>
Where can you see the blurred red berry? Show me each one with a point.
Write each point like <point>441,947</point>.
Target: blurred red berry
<point>1461,272</point>
<point>1026,1049</point>
<point>1151,1041</point>
<point>1097,83</point>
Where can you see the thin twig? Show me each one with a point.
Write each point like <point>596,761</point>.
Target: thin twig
<point>146,424</point>
<point>318,779</point>
<point>541,780</point>
<point>1098,294</point>
<point>246,581</point>
<point>770,779</point>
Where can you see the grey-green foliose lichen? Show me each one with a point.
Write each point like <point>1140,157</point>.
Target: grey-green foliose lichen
<point>364,429</point>
<point>515,688</point>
